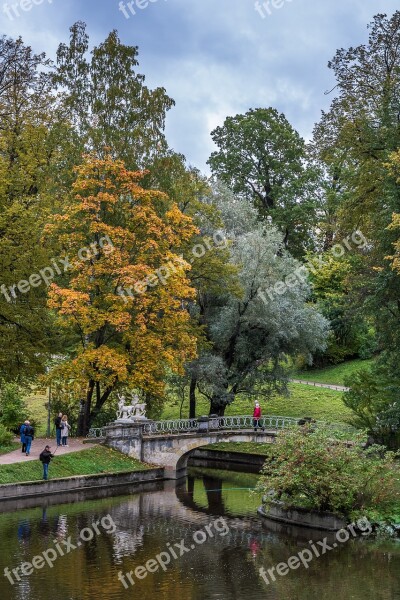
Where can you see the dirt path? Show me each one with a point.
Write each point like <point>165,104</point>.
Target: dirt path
<point>328,386</point>
<point>74,445</point>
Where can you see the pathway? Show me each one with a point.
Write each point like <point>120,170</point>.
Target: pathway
<point>328,386</point>
<point>16,456</point>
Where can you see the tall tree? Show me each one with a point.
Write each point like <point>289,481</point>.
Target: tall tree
<point>355,140</point>
<point>110,107</point>
<point>252,333</point>
<point>126,290</point>
<point>262,158</point>
<point>27,151</point>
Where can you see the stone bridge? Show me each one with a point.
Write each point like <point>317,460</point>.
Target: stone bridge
<point>169,443</point>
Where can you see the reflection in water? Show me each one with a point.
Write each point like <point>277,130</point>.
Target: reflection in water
<point>221,567</point>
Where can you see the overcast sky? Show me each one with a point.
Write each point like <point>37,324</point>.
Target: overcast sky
<point>214,57</point>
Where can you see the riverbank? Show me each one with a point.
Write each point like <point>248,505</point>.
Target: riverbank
<point>91,461</point>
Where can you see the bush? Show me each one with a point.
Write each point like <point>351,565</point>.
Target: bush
<point>321,470</point>
<point>6,437</point>
<point>12,407</point>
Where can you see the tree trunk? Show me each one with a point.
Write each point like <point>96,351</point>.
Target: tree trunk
<point>216,408</point>
<point>84,417</point>
<point>100,401</point>
<point>192,398</point>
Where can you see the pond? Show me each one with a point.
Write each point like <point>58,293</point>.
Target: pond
<point>201,540</point>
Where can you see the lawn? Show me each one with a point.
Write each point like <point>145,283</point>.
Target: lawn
<point>304,401</point>
<point>334,375</point>
<point>92,461</point>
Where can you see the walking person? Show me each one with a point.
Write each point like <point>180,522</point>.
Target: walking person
<point>65,427</point>
<point>257,417</point>
<point>22,436</point>
<point>29,434</point>
<point>45,457</point>
<point>57,423</point>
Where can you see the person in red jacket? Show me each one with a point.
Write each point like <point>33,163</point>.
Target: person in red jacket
<point>257,417</point>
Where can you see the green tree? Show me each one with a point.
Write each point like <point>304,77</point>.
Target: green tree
<point>252,333</point>
<point>27,150</point>
<point>263,159</point>
<point>111,109</point>
<point>12,406</point>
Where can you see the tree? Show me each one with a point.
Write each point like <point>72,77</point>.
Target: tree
<point>110,107</point>
<point>263,159</point>
<point>27,151</point>
<point>355,140</point>
<point>126,289</point>
<point>252,334</point>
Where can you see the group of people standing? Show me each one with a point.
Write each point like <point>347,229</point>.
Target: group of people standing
<point>27,433</point>
<point>62,429</point>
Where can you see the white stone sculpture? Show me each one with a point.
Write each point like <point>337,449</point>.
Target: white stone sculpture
<point>131,412</point>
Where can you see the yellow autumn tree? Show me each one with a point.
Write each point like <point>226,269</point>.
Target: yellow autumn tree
<point>124,288</point>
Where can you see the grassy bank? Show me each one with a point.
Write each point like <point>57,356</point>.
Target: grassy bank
<point>335,374</point>
<point>92,461</point>
<point>304,401</point>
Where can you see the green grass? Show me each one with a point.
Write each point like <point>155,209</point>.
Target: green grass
<point>92,461</point>
<point>334,375</point>
<point>244,447</point>
<point>304,401</point>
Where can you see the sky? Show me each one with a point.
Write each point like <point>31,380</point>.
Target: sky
<point>215,58</point>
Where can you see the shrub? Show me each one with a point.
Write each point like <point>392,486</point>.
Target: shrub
<point>322,470</point>
<point>12,407</point>
<point>5,436</point>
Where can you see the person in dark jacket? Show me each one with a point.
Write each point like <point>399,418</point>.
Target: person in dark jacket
<point>45,457</point>
<point>57,423</point>
<point>22,436</point>
<point>29,435</point>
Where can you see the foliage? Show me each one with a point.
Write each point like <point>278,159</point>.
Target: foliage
<point>127,332</point>
<point>251,335</point>
<point>263,159</point>
<point>373,398</point>
<point>354,143</point>
<point>350,334</point>
<point>12,406</point>
<point>27,151</point>
<point>324,471</point>
<point>5,437</point>
<point>108,102</point>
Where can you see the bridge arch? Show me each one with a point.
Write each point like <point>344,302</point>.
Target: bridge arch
<point>172,452</point>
